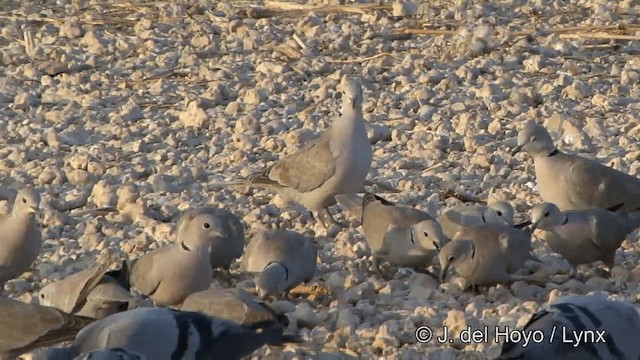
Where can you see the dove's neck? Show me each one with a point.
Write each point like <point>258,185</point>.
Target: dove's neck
<point>350,124</point>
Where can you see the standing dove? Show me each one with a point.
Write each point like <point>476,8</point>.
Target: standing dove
<point>457,217</point>
<point>25,327</point>
<point>399,234</point>
<point>281,259</point>
<point>573,182</point>
<point>21,238</point>
<point>227,248</point>
<point>608,330</point>
<point>583,236</point>
<point>336,163</point>
<point>107,297</point>
<point>168,275</point>
<point>161,333</point>
<point>487,254</point>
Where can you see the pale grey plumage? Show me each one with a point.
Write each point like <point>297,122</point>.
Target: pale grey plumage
<point>457,217</point>
<point>229,304</point>
<point>486,254</point>
<point>281,259</point>
<point>159,334</point>
<point>21,238</point>
<point>569,316</point>
<point>399,234</point>
<point>583,236</point>
<point>169,274</point>
<point>106,298</point>
<point>224,249</point>
<point>573,182</point>
<point>25,327</point>
<point>336,163</point>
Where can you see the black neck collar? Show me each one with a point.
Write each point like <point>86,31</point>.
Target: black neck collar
<point>554,153</point>
<point>566,220</point>
<point>286,271</point>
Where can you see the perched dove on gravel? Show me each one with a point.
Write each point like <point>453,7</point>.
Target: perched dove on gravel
<point>454,218</point>
<point>399,234</point>
<point>583,236</point>
<point>21,238</point>
<point>25,327</point>
<point>336,163</point>
<point>486,254</point>
<point>227,248</point>
<point>608,329</point>
<point>573,182</point>
<point>107,297</point>
<point>168,275</point>
<point>162,333</point>
<point>230,304</point>
<point>281,259</point>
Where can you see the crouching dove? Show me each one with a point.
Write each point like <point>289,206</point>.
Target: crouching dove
<point>169,274</point>
<point>402,235</point>
<point>583,236</point>
<point>159,334</point>
<point>336,163</point>
<point>281,259</point>
<point>608,329</point>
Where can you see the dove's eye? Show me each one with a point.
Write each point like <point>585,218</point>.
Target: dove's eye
<point>533,138</point>
<point>546,214</point>
<point>499,213</point>
<point>451,258</point>
<point>24,200</point>
<point>41,296</point>
<point>206,225</point>
<point>425,234</point>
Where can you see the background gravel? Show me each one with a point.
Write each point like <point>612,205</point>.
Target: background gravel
<point>142,105</point>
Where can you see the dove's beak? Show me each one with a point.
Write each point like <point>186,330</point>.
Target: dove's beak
<point>523,224</point>
<point>443,273</point>
<point>534,226</point>
<point>516,150</point>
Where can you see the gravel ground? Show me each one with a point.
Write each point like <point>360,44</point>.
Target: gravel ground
<point>142,105</point>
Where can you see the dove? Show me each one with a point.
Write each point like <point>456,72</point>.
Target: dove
<point>583,236</point>
<point>572,182</point>
<point>580,327</point>
<point>335,163</point>
<point>22,239</point>
<point>486,254</point>
<point>454,218</point>
<point>230,304</point>
<point>399,234</point>
<point>107,297</point>
<point>109,354</point>
<point>163,333</point>
<point>280,260</point>
<point>25,327</point>
<point>224,249</point>
<point>169,274</point>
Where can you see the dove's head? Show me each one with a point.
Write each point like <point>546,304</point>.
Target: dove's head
<point>545,216</point>
<point>499,212</point>
<point>351,93</point>
<point>535,140</point>
<point>272,280</point>
<point>197,228</point>
<point>455,253</point>
<point>27,202</point>
<point>428,235</point>
<point>48,295</point>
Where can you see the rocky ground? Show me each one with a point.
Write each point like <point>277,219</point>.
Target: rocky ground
<point>142,105</point>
